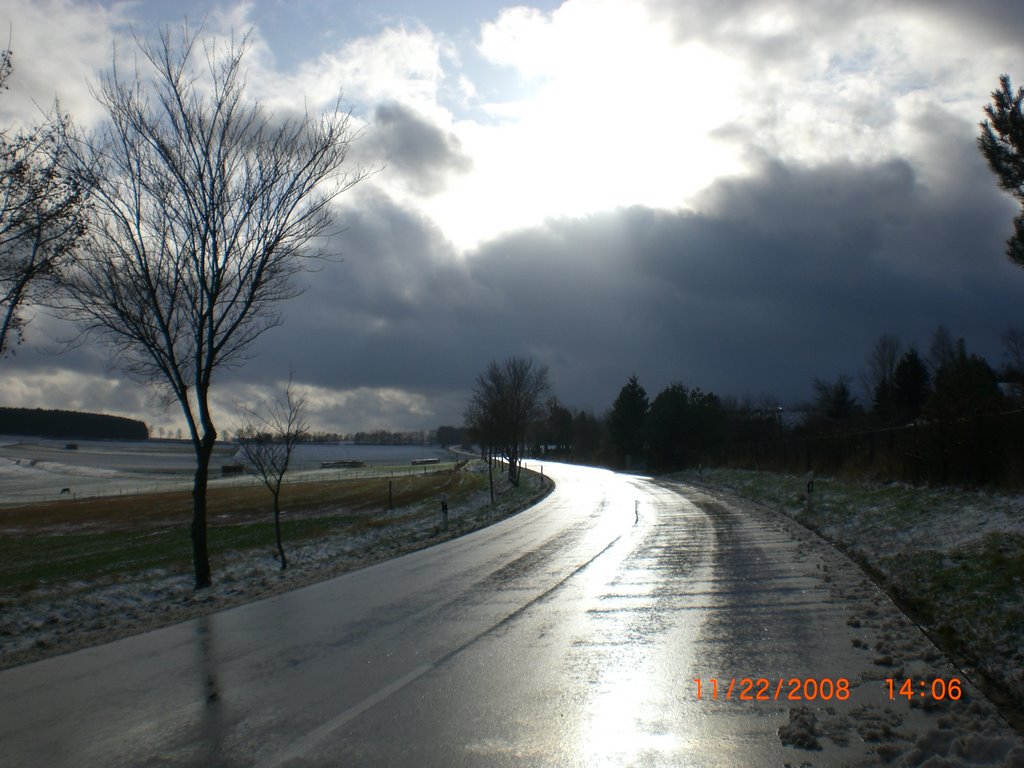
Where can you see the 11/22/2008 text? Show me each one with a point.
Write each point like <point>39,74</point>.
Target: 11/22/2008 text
<point>816,689</point>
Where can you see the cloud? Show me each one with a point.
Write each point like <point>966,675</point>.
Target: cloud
<point>59,48</point>
<point>740,196</point>
<point>825,81</point>
<point>398,65</point>
<point>422,154</point>
<point>58,387</point>
<point>777,278</point>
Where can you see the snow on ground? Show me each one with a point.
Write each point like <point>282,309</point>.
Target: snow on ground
<point>60,618</point>
<point>951,557</point>
<point>34,469</point>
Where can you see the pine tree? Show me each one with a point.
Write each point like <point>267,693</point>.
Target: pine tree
<point>1002,143</point>
<point>626,422</point>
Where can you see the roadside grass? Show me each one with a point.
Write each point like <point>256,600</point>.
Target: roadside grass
<point>951,558</point>
<point>92,573</point>
<point>102,540</point>
<point>230,503</point>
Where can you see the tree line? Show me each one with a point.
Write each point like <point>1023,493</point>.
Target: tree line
<point>943,416</point>
<point>39,422</point>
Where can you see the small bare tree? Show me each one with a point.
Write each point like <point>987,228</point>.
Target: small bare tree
<point>507,401</point>
<point>41,215</point>
<point>204,207</point>
<point>267,437</point>
<point>879,380</point>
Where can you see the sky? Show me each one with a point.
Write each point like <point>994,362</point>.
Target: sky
<point>737,196</point>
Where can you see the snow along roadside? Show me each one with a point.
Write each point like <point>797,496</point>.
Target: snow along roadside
<point>57,619</point>
<point>952,558</point>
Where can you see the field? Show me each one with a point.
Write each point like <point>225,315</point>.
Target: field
<point>106,538</point>
<point>41,469</point>
<point>79,572</point>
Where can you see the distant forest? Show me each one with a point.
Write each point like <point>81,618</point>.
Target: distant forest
<point>944,416</point>
<point>67,424</point>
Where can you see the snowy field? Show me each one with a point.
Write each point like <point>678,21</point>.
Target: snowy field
<point>58,618</point>
<point>39,469</point>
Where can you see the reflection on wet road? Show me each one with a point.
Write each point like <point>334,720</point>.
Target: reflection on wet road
<point>573,634</point>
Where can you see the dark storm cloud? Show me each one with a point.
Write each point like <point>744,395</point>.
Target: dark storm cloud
<point>421,153</point>
<point>388,315</point>
<point>784,276</point>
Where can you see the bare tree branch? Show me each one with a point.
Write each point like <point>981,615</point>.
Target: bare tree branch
<point>267,436</point>
<point>204,208</point>
<point>41,215</point>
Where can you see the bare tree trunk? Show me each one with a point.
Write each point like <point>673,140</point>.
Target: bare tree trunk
<point>277,531</point>
<point>490,472</point>
<point>200,550</point>
<point>513,465</point>
<point>10,321</point>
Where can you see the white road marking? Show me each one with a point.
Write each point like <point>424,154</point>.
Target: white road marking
<point>304,744</point>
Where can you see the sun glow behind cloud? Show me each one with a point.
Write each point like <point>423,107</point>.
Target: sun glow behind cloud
<point>617,113</point>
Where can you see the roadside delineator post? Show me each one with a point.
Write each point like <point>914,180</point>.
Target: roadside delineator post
<point>444,511</point>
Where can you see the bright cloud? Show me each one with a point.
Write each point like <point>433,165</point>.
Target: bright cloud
<point>399,64</point>
<point>616,113</point>
<point>340,410</point>
<point>58,59</point>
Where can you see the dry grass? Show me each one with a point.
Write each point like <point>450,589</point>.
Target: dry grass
<point>89,539</point>
<point>226,505</point>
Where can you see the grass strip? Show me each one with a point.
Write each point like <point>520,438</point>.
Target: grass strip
<point>103,539</point>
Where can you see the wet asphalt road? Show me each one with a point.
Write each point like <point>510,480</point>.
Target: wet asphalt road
<point>569,635</point>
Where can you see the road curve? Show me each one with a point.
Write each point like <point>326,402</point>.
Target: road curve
<point>569,635</point>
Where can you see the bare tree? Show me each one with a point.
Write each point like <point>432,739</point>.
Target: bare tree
<point>204,207</point>
<point>942,350</point>
<point>1013,348</point>
<point>41,215</point>
<point>267,437</point>
<point>507,401</point>
<point>879,380</point>
<point>481,427</point>
<point>1013,353</point>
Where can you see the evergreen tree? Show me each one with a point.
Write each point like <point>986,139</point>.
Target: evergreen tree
<point>683,426</point>
<point>966,385</point>
<point>1002,143</point>
<point>911,383</point>
<point>627,420</point>
<point>835,400</point>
